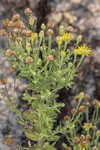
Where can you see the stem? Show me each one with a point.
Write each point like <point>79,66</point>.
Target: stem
<point>49,43</point>
<point>82,57</point>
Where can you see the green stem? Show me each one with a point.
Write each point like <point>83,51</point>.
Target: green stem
<point>49,43</point>
<point>82,57</point>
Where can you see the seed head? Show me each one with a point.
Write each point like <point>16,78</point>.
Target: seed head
<point>16,30</point>
<point>76,140</point>
<point>9,52</point>
<point>87,97</point>
<point>82,137</point>
<point>28,33</point>
<point>95,148</point>
<point>15,17</point>
<point>68,148</point>
<point>3,80</point>
<point>2,32</point>
<point>12,69</point>
<point>76,98</point>
<point>50,25</point>
<point>28,11</point>
<point>69,28</point>
<point>50,32</point>
<point>81,95</point>
<point>28,46</point>
<point>87,104</point>
<point>73,111</point>
<point>32,20</point>
<point>29,60</point>
<point>11,24</point>
<point>5,22</point>
<point>98,132</point>
<point>95,102</point>
<point>82,108</point>
<point>50,57</point>
<point>66,118</point>
<point>88,137</point>
<point>84,143</point>
<point>19,24</point>
<point>18,39</point>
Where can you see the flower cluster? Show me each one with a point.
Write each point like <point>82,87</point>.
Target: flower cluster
<point>47,68</point>
<point>88,137</point>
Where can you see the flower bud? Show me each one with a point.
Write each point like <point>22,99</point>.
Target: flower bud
<point>41,33</point>
<point>79,39</point>
<point>61,30</point>
<point>43,27</point>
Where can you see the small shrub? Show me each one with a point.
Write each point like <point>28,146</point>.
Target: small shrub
<point>47,69</point>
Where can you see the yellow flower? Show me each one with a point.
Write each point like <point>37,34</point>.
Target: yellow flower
<point>67,37</point>
<point>88,126</point>
<point>63,53</point>
<point>59,40</point>
<point>81,147</point>
<point>83,50</point>
<point>34,36</point>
